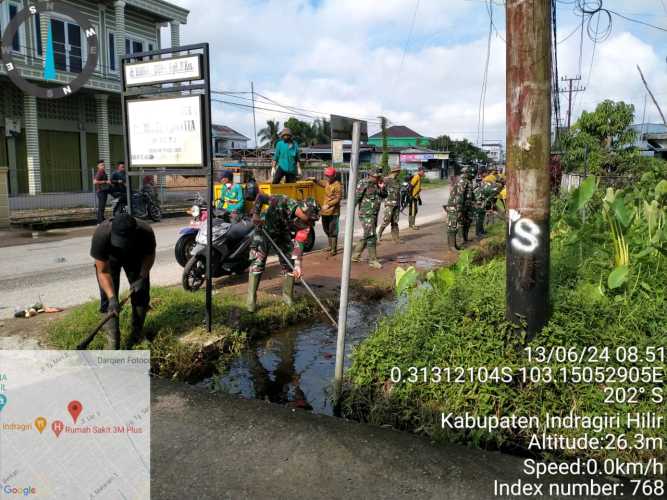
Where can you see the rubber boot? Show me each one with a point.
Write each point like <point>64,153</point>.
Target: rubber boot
<point>333,246</point>
<point>138,320</point>
<point>112,330</point>
<point>380,231</point>
<point>356,256</point>
<point>413,224</point>
<point>288,290</point>
<point>253,284</point>
<point>479,227</point>
<point>373,258</point>
<point>451,240</point>
<point>395,236</point>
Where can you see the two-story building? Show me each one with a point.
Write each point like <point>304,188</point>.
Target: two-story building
<point>53,145</point>
<point>226,140</point>
<point>400,136</point>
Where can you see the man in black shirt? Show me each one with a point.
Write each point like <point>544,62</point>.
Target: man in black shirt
<point>123,242</point>
<point>118,180</point>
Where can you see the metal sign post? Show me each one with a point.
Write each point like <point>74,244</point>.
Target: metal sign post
<point>166,108</point>
<point>340,127</point>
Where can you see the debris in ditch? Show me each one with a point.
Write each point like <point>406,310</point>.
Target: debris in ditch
<point>34,310</point>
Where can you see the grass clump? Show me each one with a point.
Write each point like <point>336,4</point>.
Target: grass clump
<point>182,348</point>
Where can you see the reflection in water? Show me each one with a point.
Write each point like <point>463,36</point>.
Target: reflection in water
<point>296,367</point>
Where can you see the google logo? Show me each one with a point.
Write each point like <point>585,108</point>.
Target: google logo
<point>18,491</point>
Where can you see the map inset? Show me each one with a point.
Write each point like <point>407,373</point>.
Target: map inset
<point>74,424</point>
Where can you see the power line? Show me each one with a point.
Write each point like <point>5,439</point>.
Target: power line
<point>485,78</point>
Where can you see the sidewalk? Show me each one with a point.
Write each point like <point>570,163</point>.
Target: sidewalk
<point>206,445</point>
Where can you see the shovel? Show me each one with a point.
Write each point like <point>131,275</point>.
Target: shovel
<point>86,342</point>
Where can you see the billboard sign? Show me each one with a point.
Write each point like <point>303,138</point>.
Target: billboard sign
<point>166,132</point>
<point>173,69</point>
<point>337,152</point>
<point>341,128</point>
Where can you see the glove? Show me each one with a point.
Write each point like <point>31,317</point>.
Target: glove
<point>114,306</point>
<point>139,286</point>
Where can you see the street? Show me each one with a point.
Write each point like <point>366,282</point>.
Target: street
<point>59,273</point>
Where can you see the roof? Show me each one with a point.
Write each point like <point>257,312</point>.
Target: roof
<point>162,9</point>
<point>228,133</point>
<point>649,128</point>
<point>397,131</point>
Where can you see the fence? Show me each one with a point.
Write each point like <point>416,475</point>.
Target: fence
<point>573,180</point>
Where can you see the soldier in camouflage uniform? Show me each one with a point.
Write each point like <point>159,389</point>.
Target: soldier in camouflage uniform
<point>279,216</point>
<point>392,204</point>
<point>485,193</point>
<point>369,195</point>
<point>460,206</point>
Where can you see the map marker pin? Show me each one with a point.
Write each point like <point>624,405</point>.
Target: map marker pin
<point>3,401</point>
<point>40,423</point>
<point>74,408</point>
<point>57,427</point>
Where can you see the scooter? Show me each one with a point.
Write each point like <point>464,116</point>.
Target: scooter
<point>186,240</point>
<point>143,206</point>
<point>230,253</point>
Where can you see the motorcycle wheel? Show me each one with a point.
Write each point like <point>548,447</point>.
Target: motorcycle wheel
<point>154,213</point>
<point>183,249</point>
<point>310,243</point>
<point>194,274</point>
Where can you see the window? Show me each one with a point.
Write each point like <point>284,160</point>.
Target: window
<point>67,47</point>
<point>112,52</point>
<point>16,42</point>
<point>38,34</point>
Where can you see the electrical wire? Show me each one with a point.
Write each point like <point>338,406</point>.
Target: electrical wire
<point>485,78</point>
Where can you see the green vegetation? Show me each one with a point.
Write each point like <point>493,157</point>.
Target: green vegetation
<point>176,314</point>
<point>462,151</point>
<point>455,317</point>
<point>433,183</point>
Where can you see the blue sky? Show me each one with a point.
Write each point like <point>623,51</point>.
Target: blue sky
<point>366,58</point>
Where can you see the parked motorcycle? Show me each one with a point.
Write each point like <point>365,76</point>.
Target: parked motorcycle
<point>186,241</point>
<point>230,253</point>
<point>143,206</point>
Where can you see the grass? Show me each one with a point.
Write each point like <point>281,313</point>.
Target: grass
<point>463,324</point>
<point>176,314</point>
<point>434,183</point>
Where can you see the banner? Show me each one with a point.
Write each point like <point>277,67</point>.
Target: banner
<point>337,152</point>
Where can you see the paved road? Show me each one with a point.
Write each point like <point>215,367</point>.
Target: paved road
<point>59,271</point>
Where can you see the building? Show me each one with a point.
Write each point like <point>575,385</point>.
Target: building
<point>494,151</point>
<point>226,140</point>
<point>52,146</point>
<point>399,136</point>
<point>651,139</point>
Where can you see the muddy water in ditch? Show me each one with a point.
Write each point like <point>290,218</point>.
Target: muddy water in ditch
<point>296,367</point>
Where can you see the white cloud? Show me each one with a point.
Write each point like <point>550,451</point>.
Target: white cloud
<point>346,57</point>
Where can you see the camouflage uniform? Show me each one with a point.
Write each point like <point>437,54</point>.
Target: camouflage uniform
<point>369,198</point>
<point>461,204</point>
<point>484,193</point>
<point>392,207</point>
<point>279,222</point>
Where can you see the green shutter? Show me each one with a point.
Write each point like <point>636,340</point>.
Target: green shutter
<point>59,155</point>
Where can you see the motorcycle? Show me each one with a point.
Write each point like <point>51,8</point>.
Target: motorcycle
<point>230,252</point>
<point>186,240</point>
<point>143,206</point>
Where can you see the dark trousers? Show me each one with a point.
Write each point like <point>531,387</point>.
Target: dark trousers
<point>414,207</point>
<point>280,173</point>
<point>330,225</point>
<point>101,205</point>
<point>141,299</point>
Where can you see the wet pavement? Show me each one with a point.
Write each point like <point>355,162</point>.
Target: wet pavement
<point>295,367</point>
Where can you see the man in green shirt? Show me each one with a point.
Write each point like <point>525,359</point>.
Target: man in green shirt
<point>286,158</point>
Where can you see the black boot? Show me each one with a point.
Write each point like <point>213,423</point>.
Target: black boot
<point>138,320</point>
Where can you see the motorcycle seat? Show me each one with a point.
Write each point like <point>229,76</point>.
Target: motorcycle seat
<point>240,229</point>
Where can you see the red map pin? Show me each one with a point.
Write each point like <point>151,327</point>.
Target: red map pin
<point>74,408</point>
<point>57,427</point>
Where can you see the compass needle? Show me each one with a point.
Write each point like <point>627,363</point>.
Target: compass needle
<point>49,62</point>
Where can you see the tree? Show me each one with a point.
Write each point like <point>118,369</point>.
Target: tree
<point>269,134</point>
<point>321,131</point>
<point>384,163</point>
<point>302,132</point>
<point>601,141</point>
<point>461,151</point>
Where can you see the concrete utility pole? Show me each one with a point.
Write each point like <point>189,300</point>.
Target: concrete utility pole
<point>651,94</point>
<point>528,145</point>
<point>569,97</point>
<point>254,123</point>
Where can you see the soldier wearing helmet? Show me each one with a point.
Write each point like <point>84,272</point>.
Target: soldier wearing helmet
<point>330,212</point>
<point>460,205</point>
<point>369,195</point>
<point>280,217</point>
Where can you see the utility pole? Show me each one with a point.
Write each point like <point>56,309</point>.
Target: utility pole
<point>569,91</point>
<point>254,124</point>
<point>528,108</point>
<point>651,94</point>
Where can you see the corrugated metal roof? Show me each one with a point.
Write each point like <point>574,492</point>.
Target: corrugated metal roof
<point>226,132</point>
<point>397,131</point>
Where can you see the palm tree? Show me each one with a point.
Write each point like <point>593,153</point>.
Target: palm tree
<point>269,134</point>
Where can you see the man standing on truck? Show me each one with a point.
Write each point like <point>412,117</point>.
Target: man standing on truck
<point>231,197</point>
<point>392,204</point>
<point>369,195</point>
<point>129,244</point>
<point>280,217</point>
<point>285,161</point>
<point>333,194</point>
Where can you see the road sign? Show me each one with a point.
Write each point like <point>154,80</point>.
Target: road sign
<point>341,128</point>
